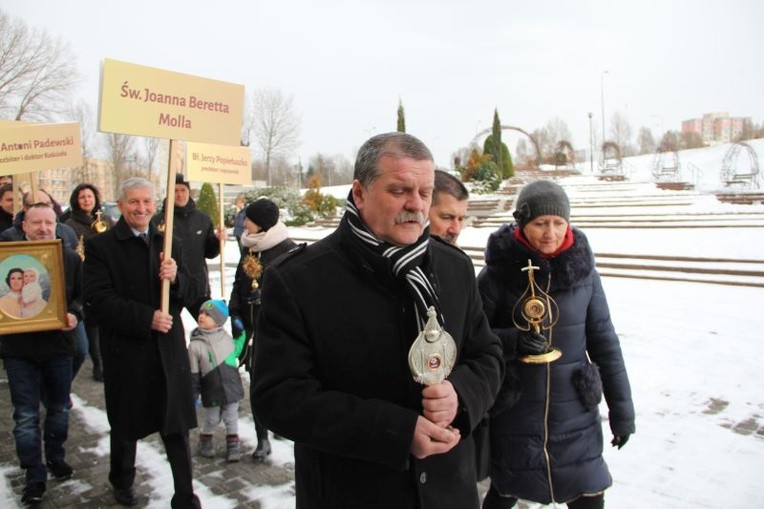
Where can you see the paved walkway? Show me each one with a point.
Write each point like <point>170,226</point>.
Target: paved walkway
<point>229,485</point>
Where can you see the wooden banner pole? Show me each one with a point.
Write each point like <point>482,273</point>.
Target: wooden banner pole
<point>169,214</point>
<point>221,225</point>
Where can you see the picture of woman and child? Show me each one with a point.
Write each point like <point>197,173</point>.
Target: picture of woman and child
<point>24,298</point>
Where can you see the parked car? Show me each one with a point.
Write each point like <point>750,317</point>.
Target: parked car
<point>110,212</point>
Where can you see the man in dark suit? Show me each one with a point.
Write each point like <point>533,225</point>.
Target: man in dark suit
<point>147,376</point>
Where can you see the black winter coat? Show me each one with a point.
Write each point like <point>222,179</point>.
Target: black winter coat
<point>16,233</point>
<point>569,464</point>
<point>147,377</point>
<point>195,230</point>
<point>81,223</point>
<point>331,373</point>
<point>6,220</point>
<point>245,300</point>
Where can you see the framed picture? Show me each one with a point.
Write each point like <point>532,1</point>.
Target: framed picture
<point>32,288</point>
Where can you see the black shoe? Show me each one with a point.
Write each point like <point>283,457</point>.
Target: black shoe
<point>98,373</point>
<point>262,450</point>
<point>33,493</point>
<point>60,470</point>
<point>125,496</point>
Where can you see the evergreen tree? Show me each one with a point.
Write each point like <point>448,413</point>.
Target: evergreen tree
<point>401,118</point>
<point>496,133</point>
<point>507,167</point>
<point>208,203</point>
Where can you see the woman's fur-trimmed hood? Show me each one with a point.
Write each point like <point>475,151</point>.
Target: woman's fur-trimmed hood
<point>507,257</point>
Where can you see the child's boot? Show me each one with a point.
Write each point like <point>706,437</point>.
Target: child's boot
<point>233,450</point>
<point>206,448</point>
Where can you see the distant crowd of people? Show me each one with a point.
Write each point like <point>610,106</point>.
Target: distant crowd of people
<point>401,377</point>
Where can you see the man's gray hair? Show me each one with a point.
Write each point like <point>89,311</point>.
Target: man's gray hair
<point>134,183</point>
<point>447,183</point>
<point>395,145</point>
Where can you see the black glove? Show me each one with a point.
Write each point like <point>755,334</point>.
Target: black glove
<point>531,343</point>
<point>619,440</point>
<point>237,327</point>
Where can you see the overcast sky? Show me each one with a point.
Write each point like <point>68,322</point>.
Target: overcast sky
<point>347,63</point>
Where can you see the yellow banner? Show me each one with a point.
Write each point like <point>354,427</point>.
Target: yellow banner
<point>26,147</point>
<point>146,101</point>
<point>219,163</point>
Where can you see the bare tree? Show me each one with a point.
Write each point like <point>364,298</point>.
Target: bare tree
<point>83,115</point>
<point>620,132</point>
<point>283,173</point>
<point>521,151</point>
<point>343,170</point>
<point>557,131</point>
<point>36,72</point>
<point>274,125</point>
<point>122,157</point>
<point>322,167</point>
<point>645,141</point>
<point>151,148</point>
<point>545,143</point>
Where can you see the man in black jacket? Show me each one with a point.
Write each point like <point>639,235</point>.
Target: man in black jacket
<point>39,367</point>
<point>16,232</point>
<point>198,236</point>
<point>6,206</point>
<point>147,375</point>
<point>449,207</point>
<point>338,321</point>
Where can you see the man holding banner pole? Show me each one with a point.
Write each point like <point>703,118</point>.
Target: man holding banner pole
<point>147,377</point>
<point>200,239</point>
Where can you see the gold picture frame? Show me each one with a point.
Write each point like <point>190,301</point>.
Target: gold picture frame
<point>32,287</point>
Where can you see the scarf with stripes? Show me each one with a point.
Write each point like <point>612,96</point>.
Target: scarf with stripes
<point>406,261</point>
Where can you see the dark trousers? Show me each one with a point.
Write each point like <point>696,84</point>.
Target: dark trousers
<point>81,346</point>
<point>94,343</point>
<point>33,382</point>
<point>122,463</point>
<point>260,430</point>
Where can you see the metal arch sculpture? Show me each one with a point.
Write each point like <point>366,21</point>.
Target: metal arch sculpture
<point>564,154</point>
<point>731,175</point>
<point>513,128</point>
<point>666,166</point>
<point>611,165</point>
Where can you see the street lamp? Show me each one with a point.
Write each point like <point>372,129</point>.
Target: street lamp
<point>602,98</point>
<point>591,145</point>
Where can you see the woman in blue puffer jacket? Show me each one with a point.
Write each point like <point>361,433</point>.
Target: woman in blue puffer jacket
<point>546,430</point>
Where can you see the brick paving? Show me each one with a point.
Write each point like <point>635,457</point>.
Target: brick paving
<point>87,452</point>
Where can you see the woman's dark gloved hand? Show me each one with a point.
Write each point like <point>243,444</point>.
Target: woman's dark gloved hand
<point>619,440</point>
<point>531,343</point>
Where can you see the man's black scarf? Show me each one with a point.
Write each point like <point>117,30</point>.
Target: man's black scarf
<point>406,261</point>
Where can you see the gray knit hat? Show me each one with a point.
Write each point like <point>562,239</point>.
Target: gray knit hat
<point>217,310</point>
<point>541,198</point>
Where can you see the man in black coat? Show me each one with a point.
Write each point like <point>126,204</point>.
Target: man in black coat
<point>6,206</point>
<point>197,234</point>
<point>335,332</point>
<point>64,232</point>
<point>147,376</point>
<point>39,369</point>
<point>16,232</point>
